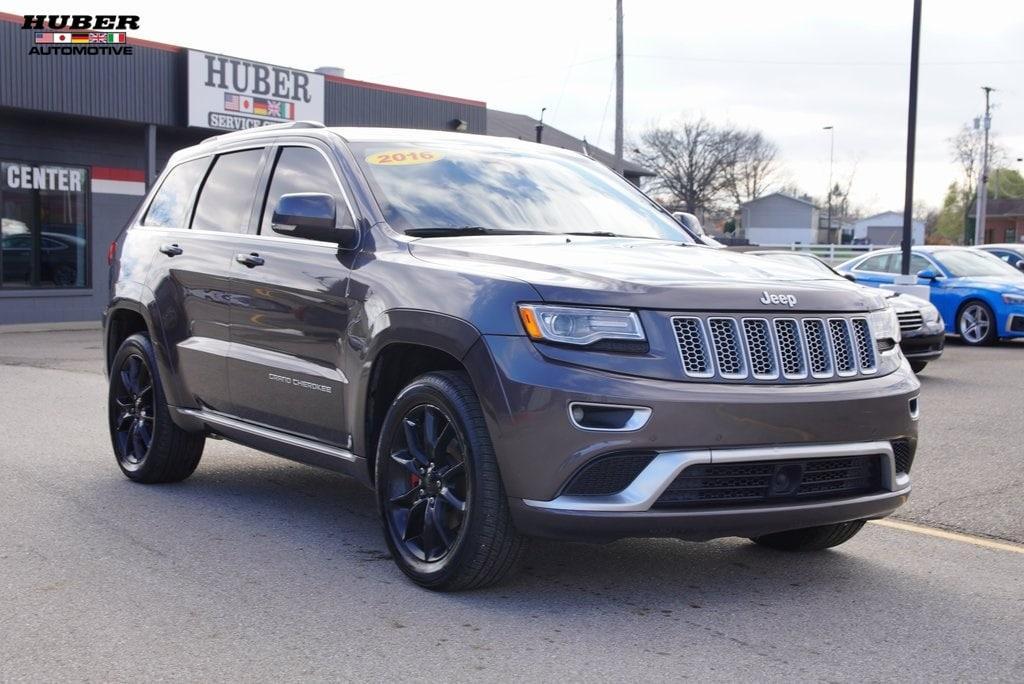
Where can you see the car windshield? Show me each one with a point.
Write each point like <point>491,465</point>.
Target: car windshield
<point>961,264</point>
<point>472,184</point>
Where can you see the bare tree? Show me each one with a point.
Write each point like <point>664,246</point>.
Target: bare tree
<point>753,168</point>
<point>691,161</point>
<point>966,148</point>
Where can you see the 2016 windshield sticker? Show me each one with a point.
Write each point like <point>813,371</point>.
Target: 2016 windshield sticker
<point>404,157</point>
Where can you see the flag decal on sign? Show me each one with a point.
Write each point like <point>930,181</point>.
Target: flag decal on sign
<point>260,106</point>
<point>61,37</point>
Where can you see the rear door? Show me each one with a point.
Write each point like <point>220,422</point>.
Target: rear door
<point>290,312</point>
<point>199,212</point>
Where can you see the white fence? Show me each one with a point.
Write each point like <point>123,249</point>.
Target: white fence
<point>832,254</point>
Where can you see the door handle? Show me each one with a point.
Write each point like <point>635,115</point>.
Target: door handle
<point>171,249</point>
<point>251,260</point>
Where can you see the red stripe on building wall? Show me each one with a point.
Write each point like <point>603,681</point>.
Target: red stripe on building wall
<point>112,173</point>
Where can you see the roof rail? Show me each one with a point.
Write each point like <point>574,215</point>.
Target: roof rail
<point>272,127</point>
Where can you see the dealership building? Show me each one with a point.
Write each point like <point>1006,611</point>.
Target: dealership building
<point>83,132</point>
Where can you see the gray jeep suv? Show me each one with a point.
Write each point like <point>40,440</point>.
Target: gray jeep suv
<point>504,340</point>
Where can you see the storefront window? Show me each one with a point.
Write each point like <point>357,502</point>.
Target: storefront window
<point>43,226</point>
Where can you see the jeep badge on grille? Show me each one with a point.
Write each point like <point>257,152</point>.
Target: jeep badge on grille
<point>778,299</point>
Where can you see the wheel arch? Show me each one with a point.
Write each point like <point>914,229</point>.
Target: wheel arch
<point>404,345</point>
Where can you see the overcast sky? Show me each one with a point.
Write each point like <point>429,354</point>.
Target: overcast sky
<point>787,67</point>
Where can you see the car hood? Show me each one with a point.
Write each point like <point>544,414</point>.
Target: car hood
<point>639,273</point>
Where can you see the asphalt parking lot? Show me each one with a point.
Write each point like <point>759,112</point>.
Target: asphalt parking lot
<point>257,568</point>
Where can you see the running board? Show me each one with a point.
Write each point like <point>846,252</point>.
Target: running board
<point>275,442</point>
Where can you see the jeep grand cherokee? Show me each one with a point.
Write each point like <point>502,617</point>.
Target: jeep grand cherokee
<point>504,340</point>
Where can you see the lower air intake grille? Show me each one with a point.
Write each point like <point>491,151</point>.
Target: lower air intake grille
<point>910,320</point>
<point>904,454</point>
<point>769,482</point>
<point>608,474</point>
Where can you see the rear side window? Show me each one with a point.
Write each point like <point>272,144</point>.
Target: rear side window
<point>169,208</point>
<point>300,169</point>
<point>225,201</point>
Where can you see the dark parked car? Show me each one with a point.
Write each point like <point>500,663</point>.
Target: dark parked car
<point>922,328</point>
<point>58,260</point>
<point>1011,253</point>
<point>503,340</point>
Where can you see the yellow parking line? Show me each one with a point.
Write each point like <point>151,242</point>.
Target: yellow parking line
<point>952,536</point>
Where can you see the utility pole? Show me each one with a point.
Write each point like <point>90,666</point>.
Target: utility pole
<point>908,200</point>
<point>618,86</point>
<point>982,204</point>
<point>831,158</point>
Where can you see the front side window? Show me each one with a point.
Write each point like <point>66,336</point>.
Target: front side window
<point>877,264</point>
<point>43,226</point>
<point>918,263</point>
<point>225,200</point>
<point>476,183</point>
<point>300,169</point>
<point>170,205</point>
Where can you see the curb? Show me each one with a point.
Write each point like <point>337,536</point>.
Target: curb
<point>49,327</point>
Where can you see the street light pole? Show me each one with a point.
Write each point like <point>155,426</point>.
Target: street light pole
<point>619,88</point>
<point>908,200</point>
<point>831,158</point>
<point>982,204</point>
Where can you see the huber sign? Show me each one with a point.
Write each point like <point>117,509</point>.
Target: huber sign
<point>231,93</point>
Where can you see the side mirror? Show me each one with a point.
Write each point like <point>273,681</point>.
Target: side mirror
<point>928,274</point>
<point>312,216</point>
<point>849,276</point>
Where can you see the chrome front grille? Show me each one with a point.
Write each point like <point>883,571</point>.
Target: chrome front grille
<point>760,348</point>
<point>910,320</point>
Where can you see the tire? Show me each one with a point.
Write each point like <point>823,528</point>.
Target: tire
<point>918,366</point>
<point>976,324</point>
<point>434,454</point>
<point>137,410</point>
<point>811,538</point>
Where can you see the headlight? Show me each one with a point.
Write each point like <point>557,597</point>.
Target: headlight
<point>571,325</point>
<point>1013,298</point>
<point>884,324</point>
<point>930,314</point>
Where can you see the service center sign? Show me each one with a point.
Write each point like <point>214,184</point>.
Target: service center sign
<point>231,94</point>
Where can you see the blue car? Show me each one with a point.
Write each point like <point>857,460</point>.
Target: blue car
<point>980,298</point>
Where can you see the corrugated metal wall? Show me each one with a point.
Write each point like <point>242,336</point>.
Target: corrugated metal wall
<point>138,88</point>
<point>148,87</point>
<point>350,105</point>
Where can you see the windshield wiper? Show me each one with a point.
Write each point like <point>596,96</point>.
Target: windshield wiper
<point>466,230</point>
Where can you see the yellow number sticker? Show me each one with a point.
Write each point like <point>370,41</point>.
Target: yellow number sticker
<point>404,157</point>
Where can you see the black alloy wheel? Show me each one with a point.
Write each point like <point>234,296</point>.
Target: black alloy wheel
<point>427,489</point>
<point>148,446</point>
<point>132,411</point>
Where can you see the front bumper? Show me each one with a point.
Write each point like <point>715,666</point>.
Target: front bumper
<point>539,449</point>
<point>924,344</point>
